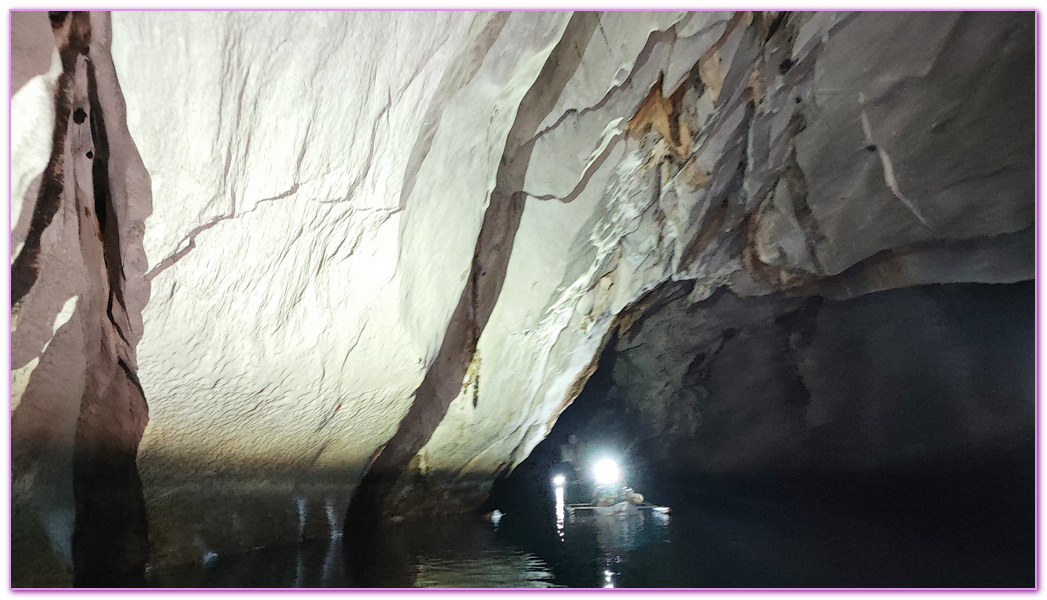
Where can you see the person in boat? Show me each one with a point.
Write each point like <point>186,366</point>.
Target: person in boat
<point>611,495</point>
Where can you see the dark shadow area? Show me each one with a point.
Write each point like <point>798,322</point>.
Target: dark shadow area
<point>883,441</point>
<point>939,525</point>
<point>589,428</point>
<point>448,552</point>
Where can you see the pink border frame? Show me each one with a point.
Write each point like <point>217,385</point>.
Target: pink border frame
<point>1036,589</point>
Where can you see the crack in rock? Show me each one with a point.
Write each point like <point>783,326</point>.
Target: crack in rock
<point>600,157</point>
<point>191,236</point>
<point>888,167</point>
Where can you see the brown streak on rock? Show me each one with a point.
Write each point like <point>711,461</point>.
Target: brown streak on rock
<point>664,115</point>
<point>377,493</point>
<point>712,226</point>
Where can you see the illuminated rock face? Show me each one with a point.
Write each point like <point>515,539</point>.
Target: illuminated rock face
<point>382,251</point>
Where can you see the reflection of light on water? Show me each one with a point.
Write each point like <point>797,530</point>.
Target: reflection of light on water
<point>300,503</point>
<point>207,556</point>
<point>336,531</point>
<point>333,559</point>
<point>559,511</point>
<point>608,579</point>
<point>503,567</point>
<point>299,570</point>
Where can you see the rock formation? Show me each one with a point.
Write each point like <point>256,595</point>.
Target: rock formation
<point>294,269</point>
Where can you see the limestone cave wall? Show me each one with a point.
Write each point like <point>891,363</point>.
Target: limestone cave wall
<point>893,380</point>
<point>274,270</point>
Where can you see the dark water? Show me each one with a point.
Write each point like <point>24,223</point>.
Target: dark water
<point>459,552</point>
<point>931,529</point>
<point>464,552</point>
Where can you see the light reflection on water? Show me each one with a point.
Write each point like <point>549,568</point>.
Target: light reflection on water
<point>739,540</point>
<point>559,512</point>
<point>501,568</point>
<point>606,546</point>
<point>452,553</point>
<point>457,553</point>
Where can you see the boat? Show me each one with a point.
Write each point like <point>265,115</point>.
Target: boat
<point>616,509</point>
<point>611,497</point>
<point>620,508</point>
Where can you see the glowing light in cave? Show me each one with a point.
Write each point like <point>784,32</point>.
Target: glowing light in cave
<point>559,511</point>
<point>606,472</point>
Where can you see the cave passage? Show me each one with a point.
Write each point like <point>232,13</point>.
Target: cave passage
<point>932,487</point>
<point>758,262</point>
<point>908,459</point>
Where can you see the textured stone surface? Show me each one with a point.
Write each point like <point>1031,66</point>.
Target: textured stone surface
<point>297,388</point>
<point>637,223</point>
<point>401,240</point>
<point>77,294</point>
<point>889,380</point>
<point>35,66</point>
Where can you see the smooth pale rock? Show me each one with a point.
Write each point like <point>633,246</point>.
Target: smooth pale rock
<point>930,171</point>
<point>459,162</point>
<point>293,367</point>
